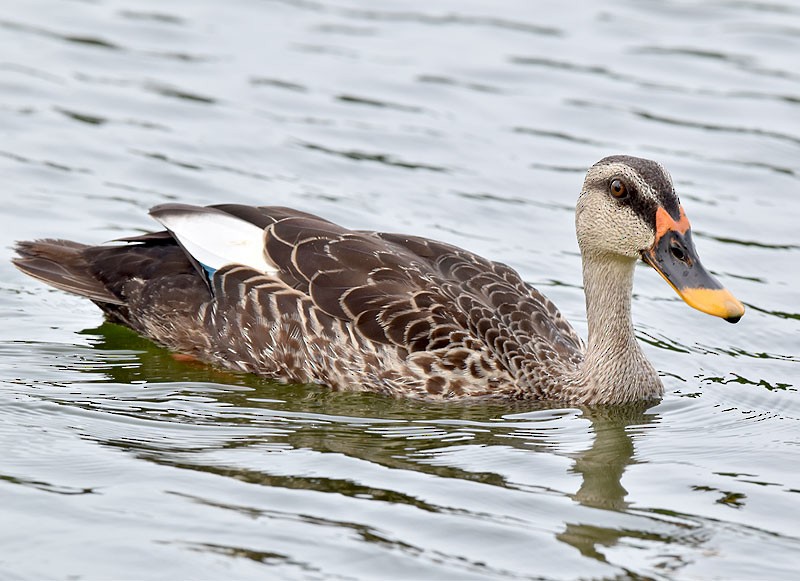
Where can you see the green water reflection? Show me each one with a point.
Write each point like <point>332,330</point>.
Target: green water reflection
<point>356,425</point>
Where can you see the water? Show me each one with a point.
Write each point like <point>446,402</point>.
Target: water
<point>471,122</point>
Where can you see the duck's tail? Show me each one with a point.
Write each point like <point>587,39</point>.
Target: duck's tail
<point>62,264</point>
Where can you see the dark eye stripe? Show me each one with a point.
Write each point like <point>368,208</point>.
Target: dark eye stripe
<point>656,178</point>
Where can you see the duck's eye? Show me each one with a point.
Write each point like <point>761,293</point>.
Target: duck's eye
<point>618,189</point>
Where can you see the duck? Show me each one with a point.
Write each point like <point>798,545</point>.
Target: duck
<point>294,297</point>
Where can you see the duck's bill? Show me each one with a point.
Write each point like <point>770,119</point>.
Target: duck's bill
<point>674,256</point>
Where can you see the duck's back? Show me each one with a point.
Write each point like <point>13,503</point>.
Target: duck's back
<point>293,296</point>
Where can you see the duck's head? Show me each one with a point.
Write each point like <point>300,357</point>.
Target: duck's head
<point>628,207</point>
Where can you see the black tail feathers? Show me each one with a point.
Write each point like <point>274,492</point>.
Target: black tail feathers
<point>62,264</point>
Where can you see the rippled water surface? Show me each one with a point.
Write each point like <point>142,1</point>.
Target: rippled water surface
<point>471,122</point>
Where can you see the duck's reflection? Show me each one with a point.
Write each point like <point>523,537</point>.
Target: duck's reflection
<point>612,451</point>
<point>601,466</point>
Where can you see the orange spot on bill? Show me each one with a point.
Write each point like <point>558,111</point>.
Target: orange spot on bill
<point>665,222</point>
<point>183,358</point>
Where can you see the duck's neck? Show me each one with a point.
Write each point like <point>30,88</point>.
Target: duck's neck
<point>614,369</point>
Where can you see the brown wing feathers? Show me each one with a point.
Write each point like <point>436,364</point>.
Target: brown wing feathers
<point>406,293</point>
<point>415,293</point>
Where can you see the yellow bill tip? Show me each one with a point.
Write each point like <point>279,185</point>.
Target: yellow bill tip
<point>717,302</point>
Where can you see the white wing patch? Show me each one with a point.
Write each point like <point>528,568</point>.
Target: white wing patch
<point>214,238</point>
